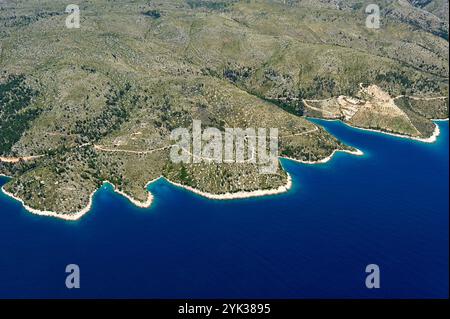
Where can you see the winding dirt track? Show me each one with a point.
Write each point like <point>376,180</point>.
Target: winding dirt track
<point>113,150</point>
<point>18,159</point>
<point>106,149</point>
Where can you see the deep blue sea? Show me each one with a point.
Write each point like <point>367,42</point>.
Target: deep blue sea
<point>388,207</point>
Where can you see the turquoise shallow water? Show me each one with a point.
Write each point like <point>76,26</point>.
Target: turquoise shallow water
<point>388,207</point>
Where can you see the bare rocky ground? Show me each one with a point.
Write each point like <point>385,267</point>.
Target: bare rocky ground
<point>372,108</point>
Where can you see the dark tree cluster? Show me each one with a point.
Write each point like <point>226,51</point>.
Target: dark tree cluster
<point>115,112</point>
<point>209,4</point>
<point>154,14</point>
<point>15,111</point>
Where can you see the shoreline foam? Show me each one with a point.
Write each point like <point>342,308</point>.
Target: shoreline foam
<point>149,201</point>
<point>146,204</point>
<point>241,194</point>
<point>440,120</point>
<point>77,215</point>
<point>326,159</point>
<point>430,139</point>
<point>68,217</point>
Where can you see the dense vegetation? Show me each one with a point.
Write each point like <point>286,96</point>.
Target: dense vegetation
<point>116,111</point>
<point>15,111</point>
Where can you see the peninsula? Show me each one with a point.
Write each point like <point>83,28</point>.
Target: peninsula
<point>83,106</point>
